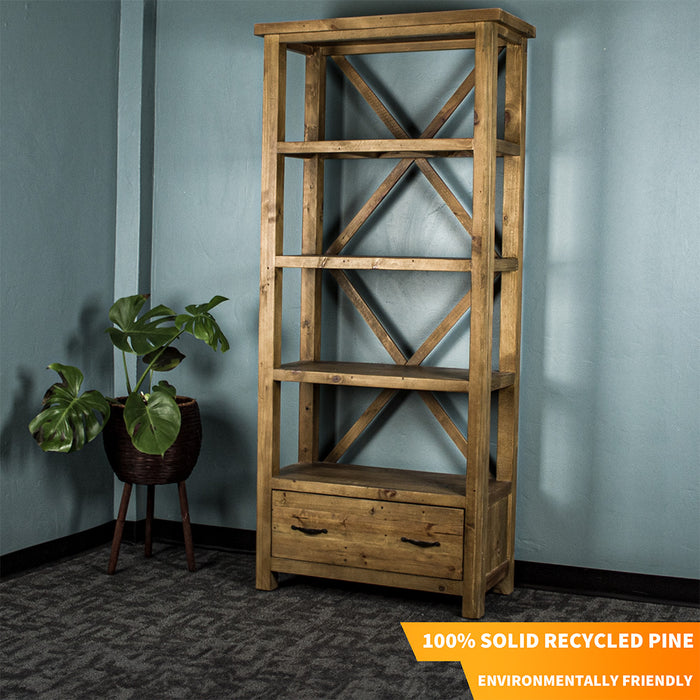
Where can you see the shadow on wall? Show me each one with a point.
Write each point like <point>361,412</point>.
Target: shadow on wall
<point>67,482</point>
<point>88,348</point>
<point>228,458</point>
<point>16,445</point>
<point>558,480</point>
<point>221,489</point>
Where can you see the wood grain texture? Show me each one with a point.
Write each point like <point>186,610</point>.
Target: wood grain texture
<point>311,244</point>
<point>403,538</point>
<point>511,289</point>
<point>387,376</point>
<point>414,25</point>
<point>445,112</point>
<point>370,576</point>
<point>376,262</point>
<point>271,224</point>
<point>391,148</point>
<point>382,483</point>
<point>481,330</point>
<point>426,530</point>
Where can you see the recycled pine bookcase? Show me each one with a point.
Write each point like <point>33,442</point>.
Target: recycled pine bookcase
<point>423,530</point>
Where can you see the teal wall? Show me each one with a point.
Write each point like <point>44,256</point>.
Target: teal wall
<point>58,106</point>
<point>610,438</point>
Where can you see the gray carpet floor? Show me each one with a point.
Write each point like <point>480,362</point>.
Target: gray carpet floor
<point>68,631</point>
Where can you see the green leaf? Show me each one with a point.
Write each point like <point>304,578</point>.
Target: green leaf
<point>168,359</point>
<point>142,335</point>
<point>152,421</point>
<point>124,310</point>
<point>165,386</point>
<point>202,325</point>
<point>69,420</point>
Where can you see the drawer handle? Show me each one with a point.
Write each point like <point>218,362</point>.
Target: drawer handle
<point>420,543</point>
<point>311,530</point>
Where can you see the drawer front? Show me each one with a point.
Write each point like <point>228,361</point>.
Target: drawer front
<point>400,537</point>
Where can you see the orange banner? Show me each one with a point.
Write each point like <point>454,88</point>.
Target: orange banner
<point>567,660</point>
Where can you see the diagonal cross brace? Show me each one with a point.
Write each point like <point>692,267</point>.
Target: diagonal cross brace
<point>370,206</point>
<point>398,356</point>
<point>402,167</point>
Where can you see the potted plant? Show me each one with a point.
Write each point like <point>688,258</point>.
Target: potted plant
<point>152,435</point>
<point>151,419</point>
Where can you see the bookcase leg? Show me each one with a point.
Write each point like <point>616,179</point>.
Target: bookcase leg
<point>507,586</point>
<point>473,605</point>
<point>270,326</point>
<point>481,322</point>
<point>265,578</point>
<point>511,291</point>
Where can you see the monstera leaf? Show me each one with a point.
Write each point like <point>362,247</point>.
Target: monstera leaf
<point>201,324</point>
<point>140,335</point>
<point>153,420</point>
<point>69,420</point>
<point>164,360</point>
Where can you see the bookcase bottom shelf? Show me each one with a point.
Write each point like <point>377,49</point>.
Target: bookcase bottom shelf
<point>381,483</point>
<point>366,576</point>
<point>392,527</point>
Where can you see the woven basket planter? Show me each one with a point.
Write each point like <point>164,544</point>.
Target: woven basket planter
<point>134,467</point>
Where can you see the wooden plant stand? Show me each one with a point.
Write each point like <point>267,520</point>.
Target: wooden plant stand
<point>150,502</point>
<point>421,530</point>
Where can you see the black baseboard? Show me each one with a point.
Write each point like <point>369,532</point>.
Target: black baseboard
<point>227,539</point>
<point>567,579</point>
<point>610,584</point>
<point>48,552</point>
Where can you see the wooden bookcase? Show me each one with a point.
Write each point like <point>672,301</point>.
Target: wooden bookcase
<point>399,527</point>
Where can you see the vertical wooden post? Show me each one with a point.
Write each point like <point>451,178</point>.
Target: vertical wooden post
<point>511,287</point>
<point>311,244</point>
<point>481,329</point>
<point>271,234</point>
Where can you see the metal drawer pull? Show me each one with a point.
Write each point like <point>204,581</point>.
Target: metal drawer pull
<point>420,543</point>
<point>311,530</point>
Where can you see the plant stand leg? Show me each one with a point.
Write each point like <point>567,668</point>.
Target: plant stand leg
<point>186,529</point>
<point>119,529</point>
<point>150,501</point>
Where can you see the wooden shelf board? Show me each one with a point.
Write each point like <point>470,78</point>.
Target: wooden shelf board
<point>385,376</point>
<point>390,148</point>
<point>390,27</point>
<point>381,483</point>
<point>368,576</point>
<point>338,262</point>
<point>373,46</point>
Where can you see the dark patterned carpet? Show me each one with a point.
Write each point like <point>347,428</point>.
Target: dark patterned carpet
<point>68,631</point>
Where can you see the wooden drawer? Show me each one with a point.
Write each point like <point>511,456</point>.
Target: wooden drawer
<point>400,537</point>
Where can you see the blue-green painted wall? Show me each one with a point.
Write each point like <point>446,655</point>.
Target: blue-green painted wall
<point>58,106</point>
<point>609,441</point>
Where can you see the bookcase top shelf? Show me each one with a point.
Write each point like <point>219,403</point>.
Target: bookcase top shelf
<point>386,32</point>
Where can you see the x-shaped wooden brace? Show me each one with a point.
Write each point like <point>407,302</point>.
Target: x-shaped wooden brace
<point>359,219</point>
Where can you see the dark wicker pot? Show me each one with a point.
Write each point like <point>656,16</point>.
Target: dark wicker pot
<point>134,467</point>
